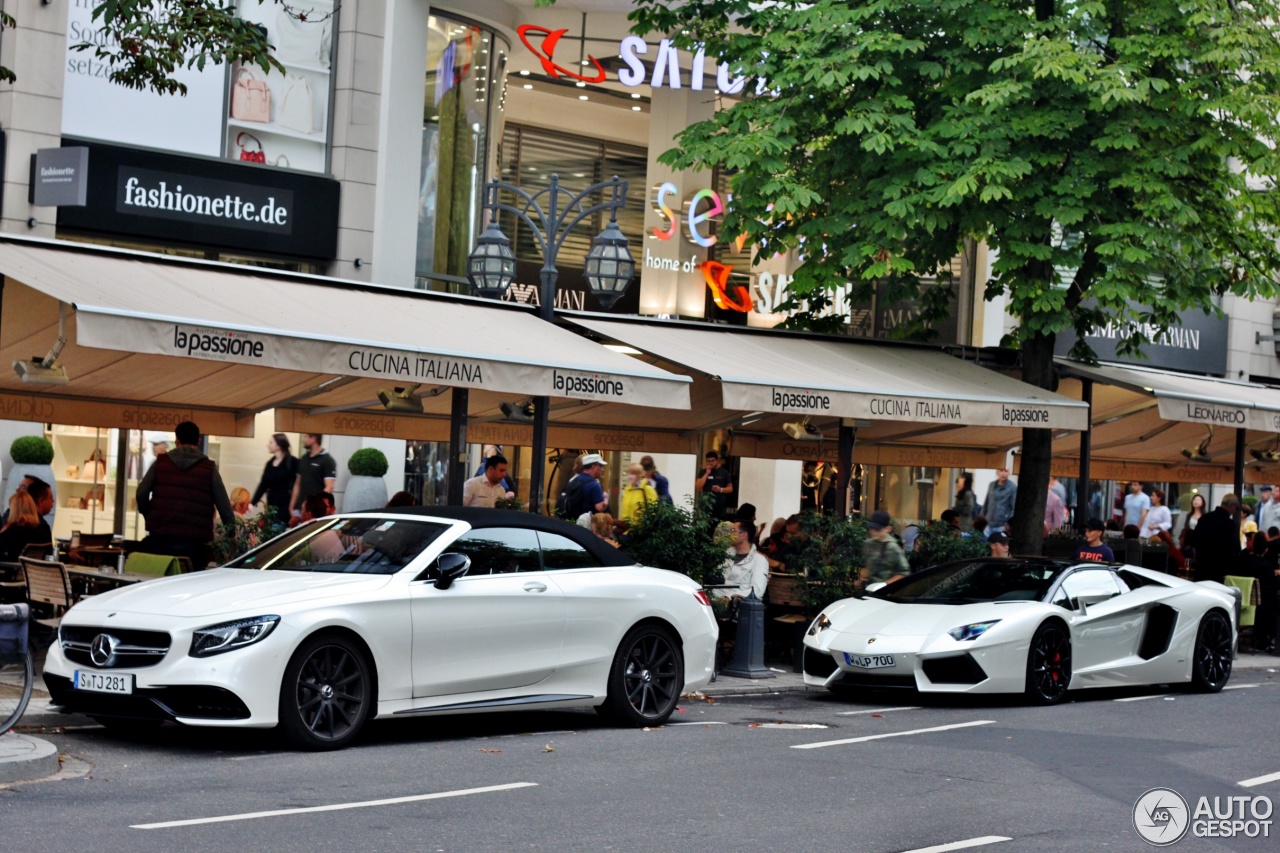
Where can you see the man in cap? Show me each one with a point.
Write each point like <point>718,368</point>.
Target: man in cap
<point>999,544</point>
<point>583,493</point>
<point>882,557</point>
<point>1093,549</point>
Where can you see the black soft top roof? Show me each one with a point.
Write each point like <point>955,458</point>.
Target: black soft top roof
<point>479,517</point>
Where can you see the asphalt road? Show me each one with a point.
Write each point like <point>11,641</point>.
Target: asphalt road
<point>728,778</point>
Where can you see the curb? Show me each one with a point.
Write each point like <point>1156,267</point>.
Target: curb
<point>23,758</point>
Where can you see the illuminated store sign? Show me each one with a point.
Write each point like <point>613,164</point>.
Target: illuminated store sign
<point>668,71</point>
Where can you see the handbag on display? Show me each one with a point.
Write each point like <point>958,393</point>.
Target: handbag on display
<point>250,98</point>
<point>281,162</point>
<point>246,155</point>
<point>297,106</point>
<point>94,468</point>
<point>305,42</point>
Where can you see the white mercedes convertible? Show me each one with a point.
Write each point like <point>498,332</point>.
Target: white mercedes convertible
<point>1029,626</point>
<point>395,613</point>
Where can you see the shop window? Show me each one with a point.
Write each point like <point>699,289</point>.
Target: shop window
<point>466,66</point>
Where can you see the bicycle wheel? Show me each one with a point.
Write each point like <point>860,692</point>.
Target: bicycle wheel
<point>16,677</point>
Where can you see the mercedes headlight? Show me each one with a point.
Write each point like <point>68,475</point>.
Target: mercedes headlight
<point>971,632</point>
<point>819,625</point>
<point>228,636</point>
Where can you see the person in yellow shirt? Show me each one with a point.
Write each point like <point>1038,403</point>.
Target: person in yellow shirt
<point>636,493</point>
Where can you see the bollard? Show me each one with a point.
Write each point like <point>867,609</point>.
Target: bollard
<point>748,646</point>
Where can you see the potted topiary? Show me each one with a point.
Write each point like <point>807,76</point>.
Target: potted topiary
<point>31,455</point>
<point>366,489</point>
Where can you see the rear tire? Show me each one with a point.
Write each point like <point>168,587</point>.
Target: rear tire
<point>326,694</point>
<point>646,677</point>
<point>1211,660</point>
<point>1049,664</point>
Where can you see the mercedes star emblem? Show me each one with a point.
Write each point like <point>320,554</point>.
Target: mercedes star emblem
<point>103,649</point>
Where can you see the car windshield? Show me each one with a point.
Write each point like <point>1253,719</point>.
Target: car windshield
<point>973,581</point>
<point>369,546</point>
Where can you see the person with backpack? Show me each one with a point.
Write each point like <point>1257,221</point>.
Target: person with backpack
<point>584,494</point>
<point>636,494</point>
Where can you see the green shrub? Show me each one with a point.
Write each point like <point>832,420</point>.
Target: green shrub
<point>1251,501</point>
<point>31,450</point>
<point>831,554</point>
<point>939,542</point>
<point>667,536</point>
<point>367,462</point>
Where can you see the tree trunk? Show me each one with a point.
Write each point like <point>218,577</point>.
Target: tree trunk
<point>1027,535</point>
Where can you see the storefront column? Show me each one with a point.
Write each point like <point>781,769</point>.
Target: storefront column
<point>121,502</point>
<point>1083,490</point>
<point>1238,479</point>
<point>848,436</point>
<point>457,445</point>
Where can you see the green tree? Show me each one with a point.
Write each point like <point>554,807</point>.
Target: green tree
<point>147,41</point>
<point>1103,150</point>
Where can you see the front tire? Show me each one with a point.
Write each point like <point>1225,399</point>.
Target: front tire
<point>646,678</point>
<point>1211,660</point>
<point>1049,664</point>
<point>326,694</point>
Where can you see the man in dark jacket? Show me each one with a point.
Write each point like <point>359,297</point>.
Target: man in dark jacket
<point>178,495</point>
<point>1217,542</point>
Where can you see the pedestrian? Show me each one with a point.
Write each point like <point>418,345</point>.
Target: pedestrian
<point>583,495</point>
<point>24,483</point>
<point>1158,522</point>
<point>1217,541</point>
<point>999,544</point>
<point>491,450</point>
<point>716,482</point>
<point>317,472</point>
<point>402,499</point>
<point>178,497</point>
<point>966,500</point>
<point>1260,564</point>
<point>278,477</point>
<point>1055,511</point>
<point>635,496</point>
<point>1001,497</point>
<point>1268,514</point>
<point>980,526</point>
<point>746,568</point>
<point>1136,504</point>
<point>1248,526</point>
<point>489,487</point>
<point>657,479</point>
<point>24,527</point>
<point>882,557</point>
<point>1055,486</point>
<point>42,493</point>
<point>602,526</point>
<point>240,503</point>
<point>1093,548</point>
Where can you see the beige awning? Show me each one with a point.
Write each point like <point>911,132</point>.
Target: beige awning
<point>877,381</point>
<point>218,336</point>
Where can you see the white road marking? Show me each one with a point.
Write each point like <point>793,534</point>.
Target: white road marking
<point>1239,686</point>
<point>256,755</point>
<point>891,734</point>
<point>790,726</point>
<point>707,723</point>
<point>961,845</point>
<point>878,711</point>
<point>1140,698</point>
<point>336,807</point>
<point>1260,780</point>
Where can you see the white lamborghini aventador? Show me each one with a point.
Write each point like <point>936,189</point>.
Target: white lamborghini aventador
<point>1029,626</point>
<point>395,613</point>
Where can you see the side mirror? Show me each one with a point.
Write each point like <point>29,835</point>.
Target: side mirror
<point>451,567</point>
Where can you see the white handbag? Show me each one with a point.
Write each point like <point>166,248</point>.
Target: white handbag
<point>297,107</point>
<point>305,42</point>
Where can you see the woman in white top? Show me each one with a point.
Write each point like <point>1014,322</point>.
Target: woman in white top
<point>1158,520</point>
<point>746,567</point>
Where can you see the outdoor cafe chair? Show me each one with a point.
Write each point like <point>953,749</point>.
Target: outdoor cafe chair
<point>48,587</point>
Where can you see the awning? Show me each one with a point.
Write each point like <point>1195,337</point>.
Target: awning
<point>259,323</point>
<point>1192,399</point>
<point>803,375</point>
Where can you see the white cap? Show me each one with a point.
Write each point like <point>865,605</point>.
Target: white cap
<point>593,459</point>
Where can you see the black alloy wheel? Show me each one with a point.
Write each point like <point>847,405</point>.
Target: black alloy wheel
<point>1211,662</point>
<point>1049,664</point>
<point>646,678</point>
<point>326,694</point>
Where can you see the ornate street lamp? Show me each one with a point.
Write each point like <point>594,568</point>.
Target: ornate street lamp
<point>551,215</point>
<point>491,267</point>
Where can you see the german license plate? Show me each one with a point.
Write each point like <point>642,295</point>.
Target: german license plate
<point>102,682</point>
<point>868,661</point>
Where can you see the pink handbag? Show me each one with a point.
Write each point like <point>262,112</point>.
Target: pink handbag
<point>250,98</point>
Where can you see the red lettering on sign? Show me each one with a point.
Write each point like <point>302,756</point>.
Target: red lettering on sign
<point>550,38</point>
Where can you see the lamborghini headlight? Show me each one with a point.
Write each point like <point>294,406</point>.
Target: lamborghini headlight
<point>227,636</point>
<point>819,625</point>
<point>971,632</point>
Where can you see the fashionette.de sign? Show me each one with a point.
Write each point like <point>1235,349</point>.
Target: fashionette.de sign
<point>59,176</point>
<point>188,198</point>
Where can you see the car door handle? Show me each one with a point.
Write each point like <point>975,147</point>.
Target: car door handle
<point>534,586</point>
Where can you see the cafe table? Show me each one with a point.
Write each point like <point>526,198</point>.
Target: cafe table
<point>92,579</point>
